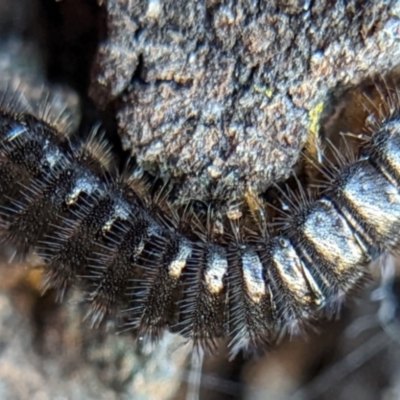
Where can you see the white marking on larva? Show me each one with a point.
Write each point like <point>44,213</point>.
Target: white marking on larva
<point>217,267</point>
<point>17,130</point>
<point>120,211</point>
<point>52,154</point>
<point>179,263</point>
<point>153,229</point>
<point>253,275</point>
<point>53,157</point>
<point>82,185</point>
<point>139,248</point>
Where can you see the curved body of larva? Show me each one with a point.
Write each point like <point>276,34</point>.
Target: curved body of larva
<point>91,229</point>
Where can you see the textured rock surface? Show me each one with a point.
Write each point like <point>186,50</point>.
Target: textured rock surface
<point>217,94</point>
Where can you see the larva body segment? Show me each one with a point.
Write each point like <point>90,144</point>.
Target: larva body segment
<point>202,312</point>
<point>159,289</point>
<point>92,230</point>
<point>370,196</point>
<point>295,297</point>
<point>29,157</point>
<point>113,266</point>
<point>384,148</point>
<point>330,251</point>
<point>249,306</point>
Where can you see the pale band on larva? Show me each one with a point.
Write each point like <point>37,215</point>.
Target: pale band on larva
<point>62,200</point>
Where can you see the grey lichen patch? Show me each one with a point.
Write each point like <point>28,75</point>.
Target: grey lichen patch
<point>216,95</point>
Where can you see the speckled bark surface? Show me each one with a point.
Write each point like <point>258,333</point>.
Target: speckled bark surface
<point>216,95</point>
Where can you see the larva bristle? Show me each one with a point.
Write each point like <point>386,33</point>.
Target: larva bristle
<point>134,178</point>
<point>13,97</point>
<point>257,211</point>
<point>95,151</point>
<point>153,197</point>
<point>50,108</point>
<point>57,106</point>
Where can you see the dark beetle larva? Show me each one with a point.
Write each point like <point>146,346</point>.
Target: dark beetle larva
<point>61,199</point>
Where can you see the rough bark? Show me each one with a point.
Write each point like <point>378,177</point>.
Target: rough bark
<point>216,95</point>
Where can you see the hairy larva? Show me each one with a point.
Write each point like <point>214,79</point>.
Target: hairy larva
<point>146,271</point>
